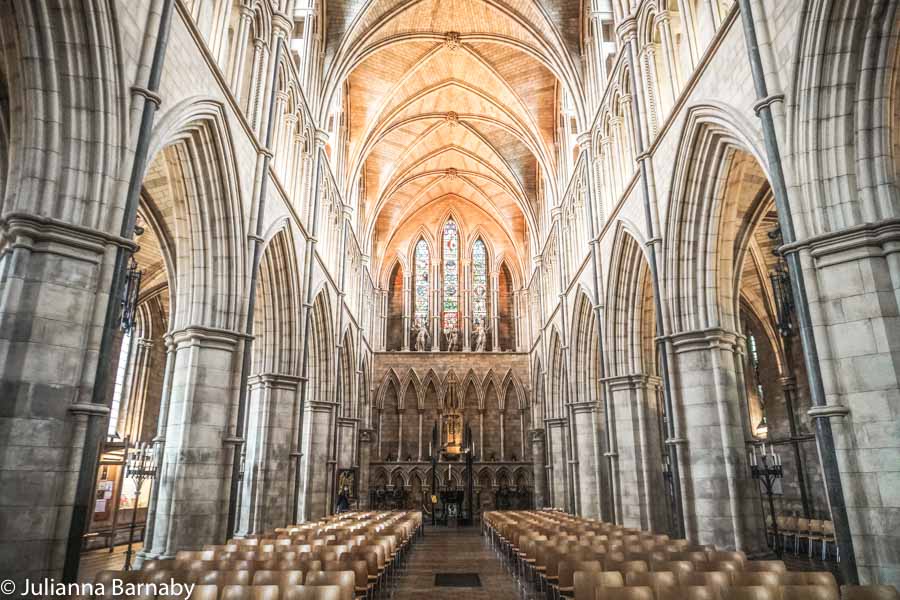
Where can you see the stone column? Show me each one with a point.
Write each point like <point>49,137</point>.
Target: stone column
<point>400,435</point>
<point>53,294</point>
<point>664,22</point>
<point>314,501</point>
<point>131,409</point>
<point>407,310</point>
<point>466,305</point>
<point>502,435</point>
<point>642,498</point>
<point>365,458</point>
<point>436,285</point>
<point>257,83</point>
<point>557,465</point>
<point>240,55</point>
<point>722,502</point>
<point>540,470</point>
<point>267,462</point>
<point>194,473</point>
<point>495,310</point>
<point>160,444</point>
<point>481,430</point>
<point>522,431</point>
<point>853,281</point>
<point>589,465</point>
<point>421,416</point>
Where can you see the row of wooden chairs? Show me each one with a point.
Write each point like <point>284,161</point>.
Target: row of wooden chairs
<point>248,592</point>
<point>358,553</point>
<point>568,557</point>
<point>799,530</point>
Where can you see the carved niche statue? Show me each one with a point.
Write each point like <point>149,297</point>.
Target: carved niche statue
<point>451,334</point>
<point>421,337</point>
<point>480,338</point>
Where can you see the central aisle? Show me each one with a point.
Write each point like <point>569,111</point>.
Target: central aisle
<point>452,550</point>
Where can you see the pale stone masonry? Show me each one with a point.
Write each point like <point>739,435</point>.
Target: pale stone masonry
<point>551,220</point>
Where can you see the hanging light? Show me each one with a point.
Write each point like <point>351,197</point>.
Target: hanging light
<point>781,289</point>
<point>130,294</point>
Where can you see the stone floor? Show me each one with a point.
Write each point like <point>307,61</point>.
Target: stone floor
<point>454,550</point>
<point>94,561</point>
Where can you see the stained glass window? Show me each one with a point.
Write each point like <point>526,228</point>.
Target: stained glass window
<point>423,261</point>
<point>451,276</point>
<point>479,282</point>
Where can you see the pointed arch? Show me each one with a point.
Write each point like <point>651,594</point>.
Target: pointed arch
<point>555,399</point>
<point>702,229</point>
<point>276,343</point>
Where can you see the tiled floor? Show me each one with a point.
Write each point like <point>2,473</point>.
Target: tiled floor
<point>452,550</point>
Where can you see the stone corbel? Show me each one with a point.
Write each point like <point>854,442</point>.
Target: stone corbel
<point>828,411</point>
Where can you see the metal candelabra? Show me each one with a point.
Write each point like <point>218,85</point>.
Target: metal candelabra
<point>140,466</point>
<point>767,468</point>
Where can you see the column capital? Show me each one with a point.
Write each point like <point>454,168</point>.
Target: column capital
<point>704,339</point>
<point>207,336</point>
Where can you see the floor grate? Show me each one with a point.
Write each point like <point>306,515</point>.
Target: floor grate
<point>457,580</point>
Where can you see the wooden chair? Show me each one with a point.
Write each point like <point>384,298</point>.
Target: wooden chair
<point>586,582</point>
<point>808,578</point>
<point>624,593</point>
<point>675,566</point>
<point>651,580</point>
<point>718,579</point>
<point>752,592</point>
<point>727,556</point>
<point>236,592</point>
<point>869,592</point>
<point>809,592</point>
<point>205,592</point>
<point>626,566</point>
<point>689,592</point>
<point>279,578</point>
<point>309,592</point>
<point>567,568</point>
<point>755,566</point>
<point>766,578</point>
<point>223,578</point>
<point>346,580</point>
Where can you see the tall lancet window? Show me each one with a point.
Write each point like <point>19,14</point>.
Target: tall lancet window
<point>479,282</point>
<point>451,276</point>
<point>420,289</point>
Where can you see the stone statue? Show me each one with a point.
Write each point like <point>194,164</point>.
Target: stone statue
<point>421,337</point>
<point>480,338</point>
<point>451,333</point>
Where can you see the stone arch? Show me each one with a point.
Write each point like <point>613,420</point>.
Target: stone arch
<point>379,478</point>
<point>346,389</point>
<point>276,342</point>
<point>585,350</point>
<point>704,232</point>
<point>365,393</point>
<point>321,355</point>
<point>192,182</point>
<point>62,134</point>
<point>396,328</point>
<point>845,160</point>
<point>626,302</point>
<point>390,379</point>
<point>556,398</point>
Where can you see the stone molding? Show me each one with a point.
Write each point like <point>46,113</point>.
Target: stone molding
<point>851,244</point>
<point>828,411</point>
<point>208,337</point>
<point>274,380</point>
<point>705,339</point>
<point>23,229</point>
<point>631,381</point>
